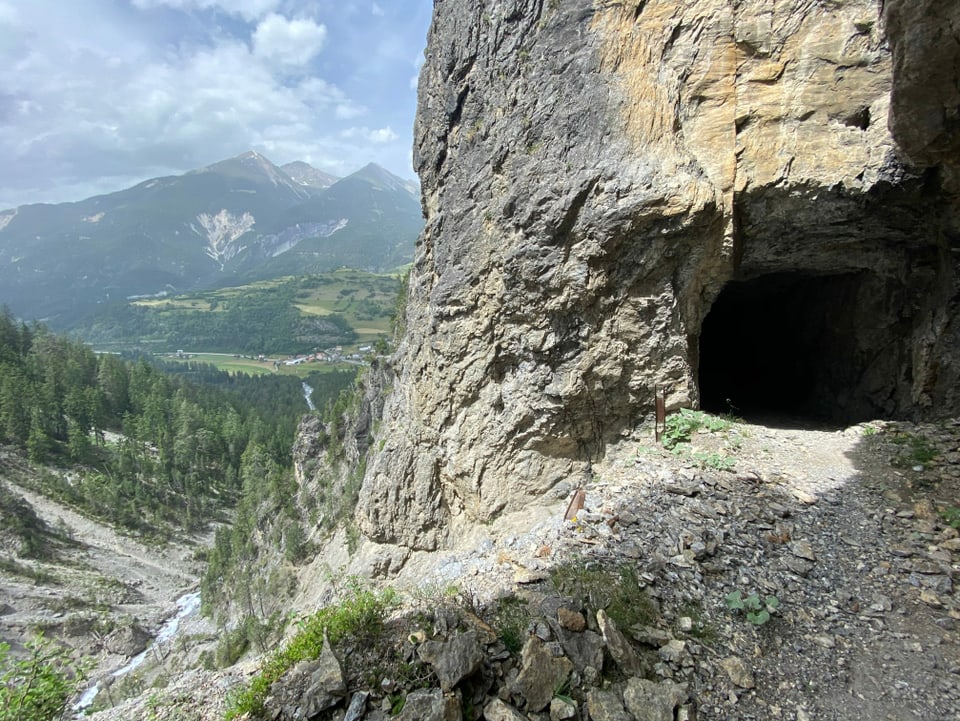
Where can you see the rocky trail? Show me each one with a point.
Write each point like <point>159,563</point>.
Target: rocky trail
<point>840,534</point>
<point>843,528</point>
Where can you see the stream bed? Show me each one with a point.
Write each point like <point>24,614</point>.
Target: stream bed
<point>187,605</point>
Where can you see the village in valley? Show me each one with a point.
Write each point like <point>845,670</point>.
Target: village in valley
<point>331,355</point>
<point>337,355</point>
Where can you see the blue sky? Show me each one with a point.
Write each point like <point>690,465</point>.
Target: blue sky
<point>96,95</point>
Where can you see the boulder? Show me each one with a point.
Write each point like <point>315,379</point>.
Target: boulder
<point>308,688</point>
<point>619,647</point>
<point>453,660</point>
<point>430,705</point>
<point>541,674</point>
<point>652,701</point>
<point>128,640</point>
<point>606,705</point>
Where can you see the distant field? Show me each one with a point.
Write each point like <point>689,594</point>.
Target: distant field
<point>227,362</point>
<point>191,303</point>
<point>274,316</point>
<point>365,300</point>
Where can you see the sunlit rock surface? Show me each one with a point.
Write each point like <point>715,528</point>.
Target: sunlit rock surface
<point>597,177</point>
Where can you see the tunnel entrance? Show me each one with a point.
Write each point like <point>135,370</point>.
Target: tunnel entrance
<point>789,345</point>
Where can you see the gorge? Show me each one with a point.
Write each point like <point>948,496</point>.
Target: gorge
<point>750,206</point>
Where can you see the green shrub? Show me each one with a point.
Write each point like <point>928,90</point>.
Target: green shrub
<point>951,516</point>
<point>918,449</point>
<point>510,619</point>
<point>683,424</point>
<point>756,610</point>
<point>38,687</point>
<point>360,615</point>
<point>617,591</point>
<point>718,461</point>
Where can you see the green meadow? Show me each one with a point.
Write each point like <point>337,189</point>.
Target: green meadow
<point>277,318</point>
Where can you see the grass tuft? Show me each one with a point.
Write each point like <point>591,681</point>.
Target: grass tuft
<point>360,615</point>
<point>617,591</point>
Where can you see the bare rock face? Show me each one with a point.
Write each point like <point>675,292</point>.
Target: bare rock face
<point>925,101</point>
<point>700,196</point>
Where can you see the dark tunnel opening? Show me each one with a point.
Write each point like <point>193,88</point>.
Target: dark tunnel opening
<point>786,346</point>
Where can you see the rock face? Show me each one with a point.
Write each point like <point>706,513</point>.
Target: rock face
<point>325,456</point>
<point>925,120</point>
<point>700,196</point>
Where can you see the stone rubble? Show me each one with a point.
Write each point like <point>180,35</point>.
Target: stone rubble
<point>836,526</point>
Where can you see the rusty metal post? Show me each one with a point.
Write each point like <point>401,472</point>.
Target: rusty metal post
<point>660,421</point>
<point>575,505</point>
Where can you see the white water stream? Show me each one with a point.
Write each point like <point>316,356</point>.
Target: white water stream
<point>187,605</point>
<point>307,392</point>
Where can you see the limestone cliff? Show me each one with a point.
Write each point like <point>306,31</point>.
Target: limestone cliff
<point>747,203</point>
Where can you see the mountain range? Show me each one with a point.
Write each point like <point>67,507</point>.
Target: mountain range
<point>235,221</point>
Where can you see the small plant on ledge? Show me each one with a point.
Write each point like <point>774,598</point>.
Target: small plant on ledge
<point>681,426</point>
<point>757,610</point>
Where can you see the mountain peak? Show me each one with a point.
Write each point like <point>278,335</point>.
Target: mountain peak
<point>380,177</point>
<point>253,166</point>
<point>305,174</point>
<point>374,170</point>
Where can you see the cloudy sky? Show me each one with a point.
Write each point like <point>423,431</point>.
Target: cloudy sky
<point>97,95</point>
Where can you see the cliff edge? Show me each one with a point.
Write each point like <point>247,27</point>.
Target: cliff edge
<point>750,205</point>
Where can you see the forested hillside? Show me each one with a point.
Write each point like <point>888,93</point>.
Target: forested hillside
<point>288,315</point>
<point>140,447</point>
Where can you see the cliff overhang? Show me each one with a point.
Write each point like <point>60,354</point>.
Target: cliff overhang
<point>749,204</point>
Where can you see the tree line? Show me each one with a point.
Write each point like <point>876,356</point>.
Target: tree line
<point>138,446</point>
<point>263,320</point>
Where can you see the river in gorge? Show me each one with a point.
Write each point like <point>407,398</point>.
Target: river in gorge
<point>187,605</point>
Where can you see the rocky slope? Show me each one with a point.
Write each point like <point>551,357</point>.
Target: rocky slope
<point>101,593</point>
<point>749,205</point>
<point>534,616</point>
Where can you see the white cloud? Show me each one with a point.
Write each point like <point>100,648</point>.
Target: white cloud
<point>378,136</point>
<point>141,94</point>
<point>383,135</point>
<point>321,94</point>
<point>349,110</point>
<point>247,9</point>
<point>293,42</point>
<point>8,14</point>
<point>376,10</point>
<point>77,111</point>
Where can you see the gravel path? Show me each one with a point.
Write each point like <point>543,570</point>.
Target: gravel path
<point>843,528</point>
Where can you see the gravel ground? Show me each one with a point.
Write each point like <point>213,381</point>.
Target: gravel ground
<point>844,528</point>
